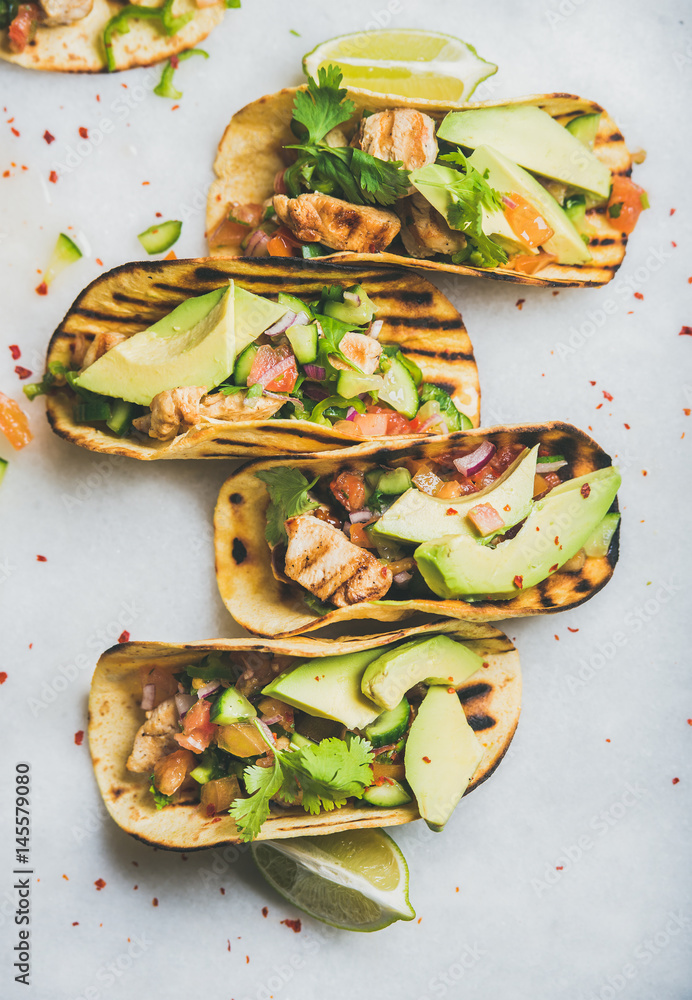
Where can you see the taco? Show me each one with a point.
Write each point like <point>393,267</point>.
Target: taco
<point>89,36</point>
<point>479,525</point>
<point>209,743</point>
<point>542,194</point>
<point>258,357</point>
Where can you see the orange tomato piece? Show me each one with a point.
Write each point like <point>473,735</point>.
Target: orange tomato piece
<point>283,243</point>
<point>485,518</point>
<point>427,481</point>
<point>348,428</point>
<point>23,28</point>
<point>13,422</point>
<point>626,200</point>
<point>449,490</point>
<point>531,263</point>
<point>198,730</point>
<point>397,423</point>
<point>527,222</point>
<point>359,536</point>
<point>371,424</point>
<point>274,368</point>
<point>349,490</point>
<point>171,771</point>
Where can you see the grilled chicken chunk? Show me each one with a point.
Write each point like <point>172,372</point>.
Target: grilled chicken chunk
<point>362,350</point>
<point>401,134</point>
<point>176,410</point>
<point>319,218</point>
<point>424,231</point>
<point>64,11</point>
<point>154,739</point>
<point>320,558</point>
<point>100,345</point>
<point>234,407</point>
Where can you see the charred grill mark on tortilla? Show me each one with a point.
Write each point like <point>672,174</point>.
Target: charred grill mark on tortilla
<point>480,722</point>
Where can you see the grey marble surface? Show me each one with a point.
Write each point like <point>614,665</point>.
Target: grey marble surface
<point>566,875</point>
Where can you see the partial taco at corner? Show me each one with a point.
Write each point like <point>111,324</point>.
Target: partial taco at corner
<point>535,190</point>
<point>480,525</point>
<point>89,36</point>
<point>209,743</point>
<point>230,358</point>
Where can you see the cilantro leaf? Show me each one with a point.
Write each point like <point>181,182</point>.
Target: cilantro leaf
<point>381,182</point>
<point>160,799</point>
<point>615,210</point>
<point>322,107</point>
<point>288,492</point>
<point>263,783</point>
<point>469,194</point>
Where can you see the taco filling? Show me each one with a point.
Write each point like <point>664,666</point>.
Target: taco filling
<point>254,733</point>
<point>234,356</point>
<point>505,187</point>
<point>481,523</point>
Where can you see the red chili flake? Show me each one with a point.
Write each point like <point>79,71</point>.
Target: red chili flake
<point>75,923</point>
<point>675,781</point>
<point>295,925</point>
<point>222,891</point>
<point>66,878</point>
<point>506,507</point>
<point>556,293</point>
<point>135,887</point>
<point>520,303</point>
<point>98,97</point>
<point>145,183</point>
<point>557,638</point>
<point>672,211</point>
<point>10,120</point>
<point>689,281</point>
<point>217,820</point>
<point>626,426</point>
<point>3,676</point>
<point>451,510</point>
<point>518,581</point>
<point>53,177</point>
<point>15,352</point>
<point>638,295</point>
<point>99,262</point>
<point>6,173</point>
<point>673,243</point>
<point>427,760</point>
<point>247,959</point>
<point>100,884</point>
<point>572,629</point>
<point>14,131</point>
<point>607,740</point>
<point>175,61</point>
<point>557,539</point>
<point>124,636</point>
<point>175,107</point>
<point>41,559</point>
<point>644,472</point>
<point>265,911</point>
<point>84,132</point>
<point>486,664</point>
<point>585,490</point>
<point>48,137</point>
<point>686,331</point>
<point>183,857</point>
<point>553,568</point>
<point>22,372</point>
<point>451,690</point>
<point>158,215</point>
<point>79,737</point>
<point>228,945</point>
<point>608,396</point>
<point>591,382</point>
<point>599,406</point>
<point>559,868</point>
<point>689,721</point>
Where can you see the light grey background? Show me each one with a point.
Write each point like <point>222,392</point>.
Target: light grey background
<point>572,863</point>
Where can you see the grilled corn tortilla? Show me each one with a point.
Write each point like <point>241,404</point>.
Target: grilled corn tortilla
<point>491,702</point>
<point>132,297</point>
<point>78,47</point>
<point>267,605</point>
<point>251,153</point>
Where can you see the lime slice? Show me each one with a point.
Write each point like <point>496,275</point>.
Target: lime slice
<point>423,65</point>
<point>357,880</point>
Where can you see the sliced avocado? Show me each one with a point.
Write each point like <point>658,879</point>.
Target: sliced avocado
<point>418,517</point>
<point>442,755</point>
<point>507,177</point>
<point>532,138</point>
<point>359,313</point>
<point>585,128</point>
<point>253,315</point>
<point>458,566</point>
<point>434,183</point>
<point>439,660</point>
<point>329,687</point>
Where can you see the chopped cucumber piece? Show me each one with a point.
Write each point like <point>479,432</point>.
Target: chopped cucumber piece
<point>575,210</point>
<point>231,706</point>
<point>89,412</point>
<point>454,418</point>
<point>65,252</point>
<point>356,308</point>
<point>585,128</point>
<point>293,303</point>
<point>243,364</point>
<point>158,238</point>
<point>388,727</point>
<point>303,340</point>
<point>120,419</point>
<point>299,742</point>
<point>352,384</point>
<point>399,389</point>
<point>310,250</point>
<point>599,543</point>
<point>387,796</point>
<point>394,481</point>
<point>549,459</point>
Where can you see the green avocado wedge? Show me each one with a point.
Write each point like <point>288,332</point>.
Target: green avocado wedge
<point>555,530</point>
<point>419,517</point>
<point>436,661</point>
<point>442,755</point>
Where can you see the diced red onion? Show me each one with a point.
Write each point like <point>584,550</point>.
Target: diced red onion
<point>437,418</point>
<point>315,392</point>
<point>375,328</point>
<point>315,371</point>
<point>469,465</point>
<point>271,720</point>
<point>302,319</point>
<point>195,743</point>
<point>360,516</point>
<point>184,702</point>
<point>550,466</point>
<point>208,689</point>
<point>509,202</point>
<point>401,578</point>
<point>352,298</point>
<point>148,697</point>
<point>268,733</point>
<point>351,413</point>
<point>257,244</point>
<point>281,325</point>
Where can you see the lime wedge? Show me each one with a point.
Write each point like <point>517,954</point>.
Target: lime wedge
<point>424,65</point>
<point>357,880</point>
